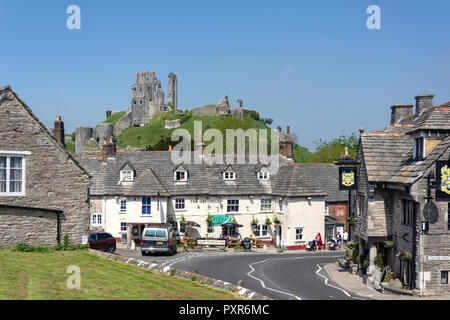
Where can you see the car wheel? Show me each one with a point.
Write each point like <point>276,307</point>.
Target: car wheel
<point>110,249</point>
<point>144,253</point>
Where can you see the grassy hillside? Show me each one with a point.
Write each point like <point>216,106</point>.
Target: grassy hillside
<point>43,276</point>
<point>155,137</point>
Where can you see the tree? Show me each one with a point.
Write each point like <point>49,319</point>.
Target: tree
<point>328,151</point>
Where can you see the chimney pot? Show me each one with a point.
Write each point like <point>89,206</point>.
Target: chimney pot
<point>288,130</point>
<point>423,101</point>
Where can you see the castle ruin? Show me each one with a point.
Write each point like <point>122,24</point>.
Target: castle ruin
<point>147,97</point>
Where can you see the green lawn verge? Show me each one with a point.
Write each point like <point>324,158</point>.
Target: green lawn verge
<point>38,276</point>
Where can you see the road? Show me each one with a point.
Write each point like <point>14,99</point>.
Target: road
<point>279,276</point>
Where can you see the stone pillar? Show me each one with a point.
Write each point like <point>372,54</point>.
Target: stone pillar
<point>372,254</point>
<point>129,235</point>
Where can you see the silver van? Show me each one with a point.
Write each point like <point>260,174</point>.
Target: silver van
<point>159,239</point>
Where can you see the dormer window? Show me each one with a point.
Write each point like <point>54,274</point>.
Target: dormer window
<point>180,175</point>
<point>419,148</point>
<point>127,175</point>
<point>229,176</point>
<point>263,175</point>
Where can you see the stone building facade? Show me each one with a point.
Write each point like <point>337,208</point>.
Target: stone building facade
<point>44,192</point>
<point>133,189</point>
<point>393,191</point>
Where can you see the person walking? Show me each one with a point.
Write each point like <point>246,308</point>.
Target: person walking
<point>318,240</point>
<point>345,237</point>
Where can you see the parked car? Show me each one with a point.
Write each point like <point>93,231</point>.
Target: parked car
<point>159,239</point>
<point>102,241</point>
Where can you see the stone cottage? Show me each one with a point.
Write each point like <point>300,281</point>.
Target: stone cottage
<point>396,175</point>
<point>44,192</point>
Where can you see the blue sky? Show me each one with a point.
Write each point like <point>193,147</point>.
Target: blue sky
<point>312,65</point>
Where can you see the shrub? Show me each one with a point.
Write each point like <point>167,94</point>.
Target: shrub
<point>380,261</point>
<point>238,247</point>
<point>194,278</point>
<point>173,271</point>
<point>25,247</point>
<point>391,276</point>
<point>66,241</point>
<point>366,264</point>
<point>355,252</point>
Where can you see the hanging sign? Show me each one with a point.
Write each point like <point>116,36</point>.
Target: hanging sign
<point>443,180</point>
<point>347,178</point>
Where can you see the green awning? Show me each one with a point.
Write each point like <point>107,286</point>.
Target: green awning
<point>220,219</point>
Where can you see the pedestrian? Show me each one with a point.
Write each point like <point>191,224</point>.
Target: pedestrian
<point>339,239</point>
<point>318,241</point>
<point>345,237</point>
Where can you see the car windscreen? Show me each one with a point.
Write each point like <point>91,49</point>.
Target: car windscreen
<point>159,233</point>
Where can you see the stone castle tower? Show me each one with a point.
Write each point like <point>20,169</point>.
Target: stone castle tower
<point>147,97</point>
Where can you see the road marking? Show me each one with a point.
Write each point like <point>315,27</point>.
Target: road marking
<point>326,283</point>
<point>282,292</point>
<point>264,285</point>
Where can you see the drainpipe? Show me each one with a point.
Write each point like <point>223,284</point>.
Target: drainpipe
<point>58,228</point>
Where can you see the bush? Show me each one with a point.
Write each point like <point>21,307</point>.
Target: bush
<point>366,263</point>
<point>194,278</point>
<point>25,247</point>
<point>238,247</point>
<point>391,276</point>
<point>355,252</point>
<point>173,271</point>
<point>380,261</point>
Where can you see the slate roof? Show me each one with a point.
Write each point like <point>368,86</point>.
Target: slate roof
<point>388,154</point>
<point>154,173</point>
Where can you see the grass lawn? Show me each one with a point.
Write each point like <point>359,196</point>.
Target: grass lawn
<point>43,276</point>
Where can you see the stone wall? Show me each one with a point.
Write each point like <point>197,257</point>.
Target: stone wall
<point>32,226</point>
<point>123,123</point>
<point>53,179</point>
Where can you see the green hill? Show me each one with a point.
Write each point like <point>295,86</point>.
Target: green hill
<point>154,136</point>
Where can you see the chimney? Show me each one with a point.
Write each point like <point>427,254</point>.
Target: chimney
<point>58,132</point>
<point>108,149</point>
<point>400,111</point>
<point>288,130</point>
<point>286,144</point>
<point>423,102</point>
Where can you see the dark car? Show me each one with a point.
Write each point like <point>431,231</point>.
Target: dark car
<point>102,241</point>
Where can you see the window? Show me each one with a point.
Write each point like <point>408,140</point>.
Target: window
<point>266,205</point>
<point>327,213</point>
<point>126,175</point>
<point>419,148</point>
<point>233,205</point>
<point>230,231</point>
<point>229,175</point>
<point>280,205</point>
<point>97,219</point>
<point>123,205</point>
<point>444,277</point>
<point>260,230</point>
<point>180,176</point>
<point>11,175</point>
<point>299,234</point>
<point>180,204</point>
<point>146,205</point>
<point>123,226</point>
<point>408,212</point>
<point>263,175</point>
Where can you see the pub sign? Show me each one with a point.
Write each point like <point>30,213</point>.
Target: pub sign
<point>347,178</point>
<point>443,180</point>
